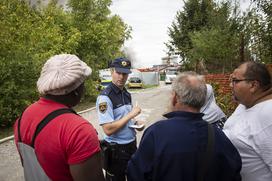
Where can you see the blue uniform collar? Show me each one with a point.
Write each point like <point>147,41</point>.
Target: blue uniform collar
<point>116,89</point>
<point>194,116</point>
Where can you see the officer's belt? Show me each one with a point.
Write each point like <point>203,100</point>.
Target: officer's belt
<point>121,146</point>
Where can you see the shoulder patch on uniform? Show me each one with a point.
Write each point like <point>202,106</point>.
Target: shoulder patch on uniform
<point>103,107</point>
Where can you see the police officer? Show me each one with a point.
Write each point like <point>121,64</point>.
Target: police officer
<point>115,114</point>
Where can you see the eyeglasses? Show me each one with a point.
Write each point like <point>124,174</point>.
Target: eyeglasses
<point>235,81</point>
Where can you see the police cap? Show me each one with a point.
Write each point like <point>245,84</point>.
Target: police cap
<point>121,65</point>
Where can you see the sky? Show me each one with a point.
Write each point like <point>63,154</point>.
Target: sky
<point>149,20</point>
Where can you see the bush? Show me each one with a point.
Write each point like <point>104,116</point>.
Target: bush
<point>30,35</point>
<point>224,99</point>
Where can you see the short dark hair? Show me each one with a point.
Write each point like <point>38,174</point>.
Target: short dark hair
<point>258,71</point>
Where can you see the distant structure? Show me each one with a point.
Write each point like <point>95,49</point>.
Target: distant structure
<point>167,70</point>
<point>170,60</point>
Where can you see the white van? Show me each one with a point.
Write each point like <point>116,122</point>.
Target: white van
<point>170,76</point>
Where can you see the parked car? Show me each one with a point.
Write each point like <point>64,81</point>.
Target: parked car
<point>135,82</point>
<point>103,84</point>
<point>170,76</point>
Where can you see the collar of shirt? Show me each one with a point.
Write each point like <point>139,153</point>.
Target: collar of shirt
<point>116,89</point>
<point>46,101</point>
<point>194,116</point>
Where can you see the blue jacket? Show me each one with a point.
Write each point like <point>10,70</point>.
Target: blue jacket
<point>169,151</point>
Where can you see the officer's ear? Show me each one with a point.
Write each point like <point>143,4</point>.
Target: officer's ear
<point>174,100</point>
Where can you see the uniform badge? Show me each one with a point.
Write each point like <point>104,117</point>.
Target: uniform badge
<point>103,107</point>
<point>124,63</point>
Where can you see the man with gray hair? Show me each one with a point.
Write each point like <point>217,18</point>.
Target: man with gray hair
<point>184,147</point>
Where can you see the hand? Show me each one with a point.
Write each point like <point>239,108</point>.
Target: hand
<point>140,123</point>
<point>136,110</point>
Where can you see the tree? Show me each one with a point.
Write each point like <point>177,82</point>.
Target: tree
<point>205,31</point>
<point>217,44</point>
<point>30,35</point>
<point>17,68</point>
<point>102,35</point>
<point>259,26</point>
<point>195,16</point>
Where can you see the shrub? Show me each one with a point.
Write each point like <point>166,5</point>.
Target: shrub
<point>224,99</point>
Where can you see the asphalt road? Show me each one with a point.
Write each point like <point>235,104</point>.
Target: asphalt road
<point>153,101</point>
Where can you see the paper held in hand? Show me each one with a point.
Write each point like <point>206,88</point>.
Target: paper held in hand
<point>136,126</point>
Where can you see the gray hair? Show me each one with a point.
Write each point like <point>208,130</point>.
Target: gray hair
<point>191,89</point>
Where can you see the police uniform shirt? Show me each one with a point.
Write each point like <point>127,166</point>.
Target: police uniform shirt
<point>113,104</point>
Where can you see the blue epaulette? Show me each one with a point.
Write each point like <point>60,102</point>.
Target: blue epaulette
<point>106,91</point>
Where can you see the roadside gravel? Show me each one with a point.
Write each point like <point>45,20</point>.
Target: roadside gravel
<point>10,165</point>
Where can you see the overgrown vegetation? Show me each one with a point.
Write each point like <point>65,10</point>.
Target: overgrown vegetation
<point>210,36</point>
<point>30,35</point>
<point>224,99</point>
<point>214,36</point>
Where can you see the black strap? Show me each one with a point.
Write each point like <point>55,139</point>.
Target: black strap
<point>18,128</point>
<point>44,122</point>
<point>47,119</point>
<point>205,159</point>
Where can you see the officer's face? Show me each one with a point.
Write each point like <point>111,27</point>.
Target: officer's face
<point>118,78</point>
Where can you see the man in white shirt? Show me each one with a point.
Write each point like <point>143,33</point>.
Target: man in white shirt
<point>250,126</point>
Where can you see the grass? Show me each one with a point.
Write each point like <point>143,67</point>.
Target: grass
<point>150,86</point>
<point>5,132</point>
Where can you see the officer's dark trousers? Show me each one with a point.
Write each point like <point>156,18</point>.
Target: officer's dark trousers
<point>118,160</point>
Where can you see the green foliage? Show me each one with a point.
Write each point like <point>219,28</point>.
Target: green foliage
<point>103,36</point>
<point>205,31</point>
<point>5,132</point>
<point>226,103</point>
<point>258,29</point>
<point>224,100</point>
<point>206,45</point>
<point>195,16</point>
<point>30,35</point>
<point>213,33</point>
<point>17,68</point>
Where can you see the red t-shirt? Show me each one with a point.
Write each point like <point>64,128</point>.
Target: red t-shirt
<point>66,140</point>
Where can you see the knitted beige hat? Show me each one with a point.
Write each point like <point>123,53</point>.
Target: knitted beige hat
<point>62,74</point>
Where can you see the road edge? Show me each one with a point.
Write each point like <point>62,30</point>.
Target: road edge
<point>12,136</point>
